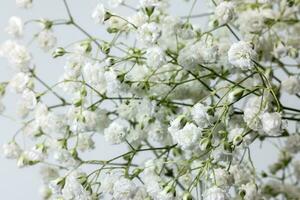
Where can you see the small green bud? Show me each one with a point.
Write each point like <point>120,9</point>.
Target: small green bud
<point>105,48</point>
<point>149,10</point>
<point>205,144</point>
<point>58,52</point>
<point>187,196</point>
<point>47,23</point>
<point>87,46</point>
<point>2,89</point>
<point>237,140</point>
<point>235,94</point>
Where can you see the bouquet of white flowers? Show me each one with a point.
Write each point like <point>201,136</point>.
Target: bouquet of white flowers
<point>191,98</point>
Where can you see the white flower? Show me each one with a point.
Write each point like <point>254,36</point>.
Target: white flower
<point>85,142</point>
<point>113,86</point>
<point>188,136</point>
<point>188,57</point>
<point>15,26</point>
<point>115,3</point>
<point>22,110</point>
<point>216,193</point>
<point>235,135</point>
<point>271,123</point>
<point>115,133</point>
<point>148,33</point>
<point>240,175</point>
<point>138,19</point>
<point>45,192</point>
<point>52,123</point>
<point>49,173</point>
<point>29,99</point>
<point>24,3</point>
<point>292,143</point>
<point>251,21</point>
<point>224,12</point>
<point>94,75</point>
<point>90,120</point>
<point>241,55</point>
<point>155,57</point>
<point>108,181</point>
<point>222,177</point>
<point>296,167</point>
<point>99,14</point>
<point>253,108</point>
<point>11,150</point>
<point>194,54</point>
<point>16,54</point>
<point>19,56</point>
<point>73,188</point>
<point>154,3</point>
<point>291,85</point>
<point>64,157</point>
<point>250,190</point>
<point>280,50</point>
<point>31,157</point>
<point>177,124</point>
<point>73,66</point>
<point>46,40</point>
<point>124,189</point>
<point>200,115</point>
<point>19,82</point>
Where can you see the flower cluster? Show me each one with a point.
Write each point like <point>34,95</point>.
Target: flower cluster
<point>193,99</point>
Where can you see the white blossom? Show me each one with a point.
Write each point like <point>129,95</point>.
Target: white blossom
<point>291,85</point>
<point>250,190</point>
<point>15,27</point>
<point>253,108</point>
<point>115,3</point>
<point>99,14</point>
<point>200,115</point>
<point>224,12</point>
<point>46,40</point>
<point>292,143</point>
<point>85,142</point>
<point>149,33</point>
<point>216,193</point>
<point>241,55</point>
<point>123,189</point>
<point>222,177</point>
<point>24,3</point>
<point>155,57</point>
<point>73,188</point>
<point>251,21</point>
<point>19,82</point>
<point>272,123</point>
<point>115,133</point>
<point>16,54</point>
<point>95,76</point>
<point>188,136</point>
<point>28,99</point>
<point>11,150</point>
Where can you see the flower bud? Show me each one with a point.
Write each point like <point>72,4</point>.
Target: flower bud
<point>2,89</point>
<point>205,143</point>
<point>59,52</point>
<point>237,140</point>
<point>235,94</point>
<point>86,46</point>
<point>187,196</point>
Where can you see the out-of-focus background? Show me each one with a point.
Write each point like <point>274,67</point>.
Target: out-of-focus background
<point>17,184</point>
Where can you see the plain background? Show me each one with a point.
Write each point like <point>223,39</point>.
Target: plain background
<point>17,184</point>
